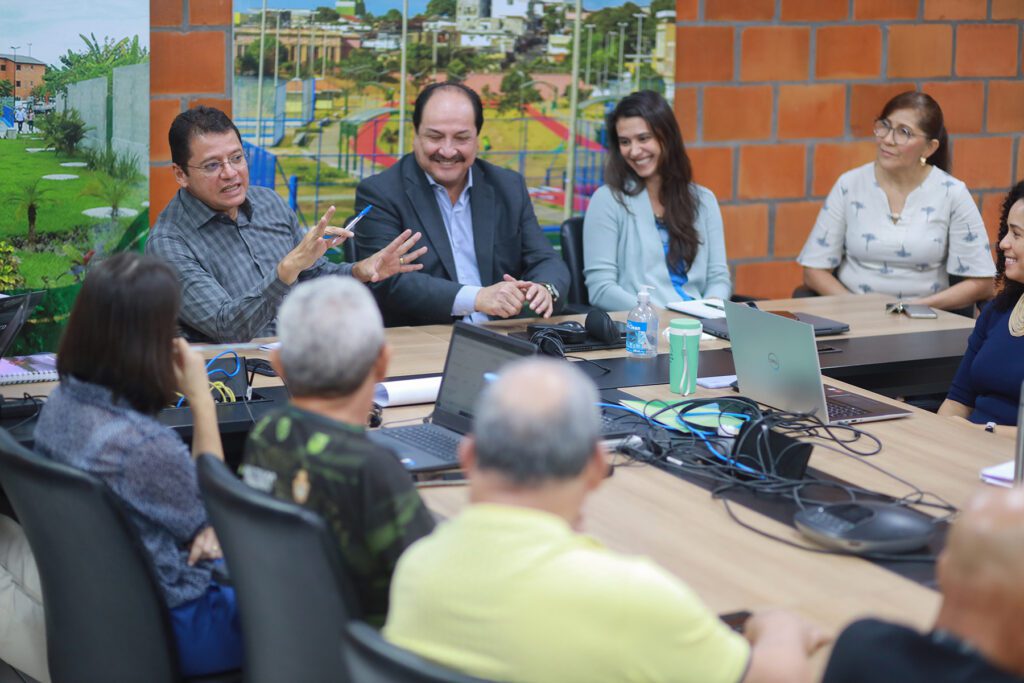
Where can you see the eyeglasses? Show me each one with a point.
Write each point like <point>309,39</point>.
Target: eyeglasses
<point>901,135</point>
<point>212,168</point>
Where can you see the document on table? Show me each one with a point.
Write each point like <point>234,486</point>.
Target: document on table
<point>999,475</point>
<point>407,392</point>
<point>699,308</point>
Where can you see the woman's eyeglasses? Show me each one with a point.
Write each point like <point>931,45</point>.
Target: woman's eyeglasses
<point>901,135</point>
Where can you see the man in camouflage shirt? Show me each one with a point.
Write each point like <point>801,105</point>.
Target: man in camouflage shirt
<point>315,451</point>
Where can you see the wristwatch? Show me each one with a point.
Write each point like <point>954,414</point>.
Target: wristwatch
<point>990,427</point>
<point>552,290</point>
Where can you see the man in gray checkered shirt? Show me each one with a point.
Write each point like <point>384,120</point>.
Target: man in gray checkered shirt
<point>238,249</point>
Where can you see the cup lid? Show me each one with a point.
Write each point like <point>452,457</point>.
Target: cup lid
<point>684,323</point>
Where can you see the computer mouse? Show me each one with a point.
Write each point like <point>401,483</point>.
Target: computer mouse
<point>866,527</point>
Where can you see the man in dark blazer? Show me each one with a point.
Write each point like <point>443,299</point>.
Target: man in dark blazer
<point>486,254</point>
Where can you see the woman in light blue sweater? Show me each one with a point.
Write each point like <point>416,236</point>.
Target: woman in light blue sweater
<point>650,224</point>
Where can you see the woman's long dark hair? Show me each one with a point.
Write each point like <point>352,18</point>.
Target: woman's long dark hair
<point>121,330</point>
<point>677,196</point>
<point>1009,290</point>
<point>929,119</point>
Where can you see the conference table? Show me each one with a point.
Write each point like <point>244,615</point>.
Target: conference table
<point>644,510</point>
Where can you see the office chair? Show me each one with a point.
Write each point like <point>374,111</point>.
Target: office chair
<point>371,659</point>
<point>106,619</point>
<point>294,596</point>
<point>572,254</point>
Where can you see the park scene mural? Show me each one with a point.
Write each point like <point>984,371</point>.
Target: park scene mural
<point>74,149</point>
<point>318,88</point>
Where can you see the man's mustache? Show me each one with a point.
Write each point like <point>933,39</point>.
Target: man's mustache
<point>436,157</point>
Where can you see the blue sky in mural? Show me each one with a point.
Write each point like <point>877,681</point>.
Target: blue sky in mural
<point>381,6</point>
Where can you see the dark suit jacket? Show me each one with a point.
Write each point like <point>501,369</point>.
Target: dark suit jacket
<point>507,239</point>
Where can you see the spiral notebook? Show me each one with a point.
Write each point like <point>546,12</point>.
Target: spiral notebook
<point>40,367</point>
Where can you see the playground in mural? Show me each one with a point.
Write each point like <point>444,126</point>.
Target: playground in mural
<point>331,89</point>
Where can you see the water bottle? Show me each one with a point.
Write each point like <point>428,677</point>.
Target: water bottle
<point>642,327</point>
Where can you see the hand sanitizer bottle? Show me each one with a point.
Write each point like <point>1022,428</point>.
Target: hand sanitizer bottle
<point>642,327</point>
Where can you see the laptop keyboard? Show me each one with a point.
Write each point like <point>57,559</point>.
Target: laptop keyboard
<point>430,439</point>
<point>843,411</point>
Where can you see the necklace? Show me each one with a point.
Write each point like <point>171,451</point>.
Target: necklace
<point>895,218</point>
<point>1016,321</point>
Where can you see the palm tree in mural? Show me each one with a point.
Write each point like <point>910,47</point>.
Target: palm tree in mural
<point>390,138</point>
<point>27,204</point>
<point>111,191</point>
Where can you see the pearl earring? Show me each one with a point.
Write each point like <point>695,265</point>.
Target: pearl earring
<point>924,160</point>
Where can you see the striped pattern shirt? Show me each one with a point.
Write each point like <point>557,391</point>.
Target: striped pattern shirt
<point>228,268</point>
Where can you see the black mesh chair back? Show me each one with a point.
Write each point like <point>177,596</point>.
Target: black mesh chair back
<point>294,596</point>
<point>371,659</point>
<point>106,619</point>
<point>572,254</point>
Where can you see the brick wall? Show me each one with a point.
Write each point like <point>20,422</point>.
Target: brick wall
<point>776,99</point>
<point>190,64</point>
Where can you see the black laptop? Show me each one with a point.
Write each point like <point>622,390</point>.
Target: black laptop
<point>474,356</point>
<point>718,327</point>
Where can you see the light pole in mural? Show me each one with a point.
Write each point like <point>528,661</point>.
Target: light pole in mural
<point>14,49</point>
<point>402,84</point>
<point>622,41</point>
<point>522,113</point>
<point>590,49</point>
<point>637,59</point>
<point>259,77</point>
<point>574,94</point>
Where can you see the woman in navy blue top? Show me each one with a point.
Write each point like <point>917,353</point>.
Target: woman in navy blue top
<point>986,389</point>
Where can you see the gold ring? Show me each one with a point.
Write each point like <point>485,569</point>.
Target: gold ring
<point>401,260</point>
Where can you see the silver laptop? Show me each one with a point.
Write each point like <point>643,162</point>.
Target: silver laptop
<point>777,364</point>
<point>474,355</point>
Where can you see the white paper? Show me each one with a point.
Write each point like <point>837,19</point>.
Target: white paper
<point>271,346</point>
<point>407,392</point>
<point>719,382</point>
<point>999,475</point>
<point>699,308</point>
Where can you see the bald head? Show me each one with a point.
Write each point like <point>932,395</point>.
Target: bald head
<point>537,422</point>
<point>986,545</point>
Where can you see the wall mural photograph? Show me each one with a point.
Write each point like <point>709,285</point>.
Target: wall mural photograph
<point>74,149</point>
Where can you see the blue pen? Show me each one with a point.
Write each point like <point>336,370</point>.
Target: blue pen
<point>350,226</point>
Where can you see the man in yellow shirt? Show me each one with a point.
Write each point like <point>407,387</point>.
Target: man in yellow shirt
<point>509,591</point>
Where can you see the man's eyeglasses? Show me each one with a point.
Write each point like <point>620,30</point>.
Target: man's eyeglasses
<point>901,135</point>
<point>212,168</point>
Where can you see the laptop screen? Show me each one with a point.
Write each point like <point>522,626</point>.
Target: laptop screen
<point>473,353</point>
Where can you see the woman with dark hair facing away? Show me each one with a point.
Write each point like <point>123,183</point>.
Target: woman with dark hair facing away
<point>120,361</point>
<point>650,224</point>
<point>901,225</point>
<point>986,388</point>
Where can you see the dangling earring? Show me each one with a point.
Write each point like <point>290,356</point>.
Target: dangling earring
<point>924,160</point>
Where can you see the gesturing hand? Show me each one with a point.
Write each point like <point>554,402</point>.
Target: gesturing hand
<point>537,296</point>
<point>190,371</point>
<point>205,546</point>
<point>502,299</point>
<point>311,247</point>
<point>392,259</point>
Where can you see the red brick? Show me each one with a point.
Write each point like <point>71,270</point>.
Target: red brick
<point>739,10</point>
<point>885,9</point>
<point>1007,9</point>
<point>737,113</point>
<point>746,230</point>
<point>991,212</point>
<point>769,279</point>
<point>834,159</point>
<point>955,9</point>
<point>1019,176</point>
<point>215,102</point>
<point>920,50</point>
<point>793,223</point>
<point>775,53</point>
<point>867,102</point>
<point>983,163</point>
<point>811,111</point>
<point>687,10</point>
<point>712,168</point>
<point>815,10</point>
<point>161,114</point>
<point>962,104</point>
<point>166,12</point>
<point>986,50</point>
<point>768,171</point>
<point>704,53</point>
<point>685,107</point>
<point>162,188</point>
<point>209,12</point>
<point>1005,107</point>
<point>849,52</point>
<point>203,71</point>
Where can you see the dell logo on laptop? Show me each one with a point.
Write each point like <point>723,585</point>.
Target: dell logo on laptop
<point>773,361</point>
